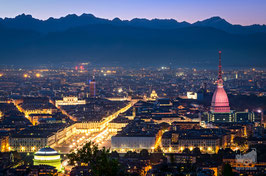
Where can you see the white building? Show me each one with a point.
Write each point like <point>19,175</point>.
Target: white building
<point>31,143</point>
<point>123,144</point>
<point>192,95</point>
<point>69,101</point>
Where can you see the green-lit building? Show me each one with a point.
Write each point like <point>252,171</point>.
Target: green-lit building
<point>48,156</point>
<point>232,116</point>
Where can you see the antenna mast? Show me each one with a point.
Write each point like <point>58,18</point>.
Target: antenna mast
<point>220,65</point>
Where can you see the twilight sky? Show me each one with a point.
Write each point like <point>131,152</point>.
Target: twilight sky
<point>243,12</point>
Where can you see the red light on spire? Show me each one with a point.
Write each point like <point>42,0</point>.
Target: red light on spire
<point>220,65</point>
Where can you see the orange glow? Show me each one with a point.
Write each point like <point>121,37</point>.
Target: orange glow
<point>38,75</point>
<point>26,75</point>
<point>23,149</point>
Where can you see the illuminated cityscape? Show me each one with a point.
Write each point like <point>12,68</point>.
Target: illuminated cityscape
<point>82,95</point>
<point>184,120</point>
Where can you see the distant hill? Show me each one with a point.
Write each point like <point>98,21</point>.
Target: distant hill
<point>26,40</point>
<point>51,25</point>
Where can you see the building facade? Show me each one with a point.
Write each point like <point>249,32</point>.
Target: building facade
<point>69,101</point>
<point>123,144</point>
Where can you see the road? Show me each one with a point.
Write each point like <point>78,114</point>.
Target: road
<point>102,138</point>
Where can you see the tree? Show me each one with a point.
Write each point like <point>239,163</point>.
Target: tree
<point>240,141</point>
<point>144,153</point>
<point>196,151</point>
<point>128,154</point>
<point>226,152</point>
<point>172,158</point>
<point>100,161</point>
<point>227,170</point>
<point>114,154</point>
<point>186,151</point>
<point>131,154</point>
<point>158,149</point>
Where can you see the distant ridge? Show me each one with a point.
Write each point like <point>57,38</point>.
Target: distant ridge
<point>25,40</point>
<point>24,21</point>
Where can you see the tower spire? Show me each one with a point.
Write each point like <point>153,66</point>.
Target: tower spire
<point>220,65</point>
<point>220,101</point>
<point>93,85</point>
<point>93,76</point>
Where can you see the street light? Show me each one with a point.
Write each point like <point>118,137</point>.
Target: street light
<point>120,90</point>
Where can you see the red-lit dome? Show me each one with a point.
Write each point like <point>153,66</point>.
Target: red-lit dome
<point>220,101</point>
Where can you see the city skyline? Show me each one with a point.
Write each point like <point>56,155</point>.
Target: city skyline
<point>237,12</point>
<point>133,87</point>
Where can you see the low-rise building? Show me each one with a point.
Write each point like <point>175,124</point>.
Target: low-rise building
<point>69,101</point>
<point>34,118</point>
<point>209,144</point>
<point>118,124</point>
<point>34,138</point>
<point>136,136</point>
<point>207,140</point>
<point>31,142</point>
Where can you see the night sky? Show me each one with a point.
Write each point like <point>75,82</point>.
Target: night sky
<point>244,12</point>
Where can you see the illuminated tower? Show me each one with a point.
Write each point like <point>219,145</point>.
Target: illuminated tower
<point>220,101</point>
<point>93,87</point>
<point>153,95</point>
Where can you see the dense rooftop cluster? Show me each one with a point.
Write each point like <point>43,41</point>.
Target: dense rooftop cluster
<point>139,128</point>
<point>94,109</point>
<point>33,103</point>
<point>155,121</point>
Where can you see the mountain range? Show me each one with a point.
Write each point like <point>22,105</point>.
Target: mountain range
<point>25,40</point>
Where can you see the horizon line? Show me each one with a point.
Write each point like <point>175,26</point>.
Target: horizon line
<point>123,19</point>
